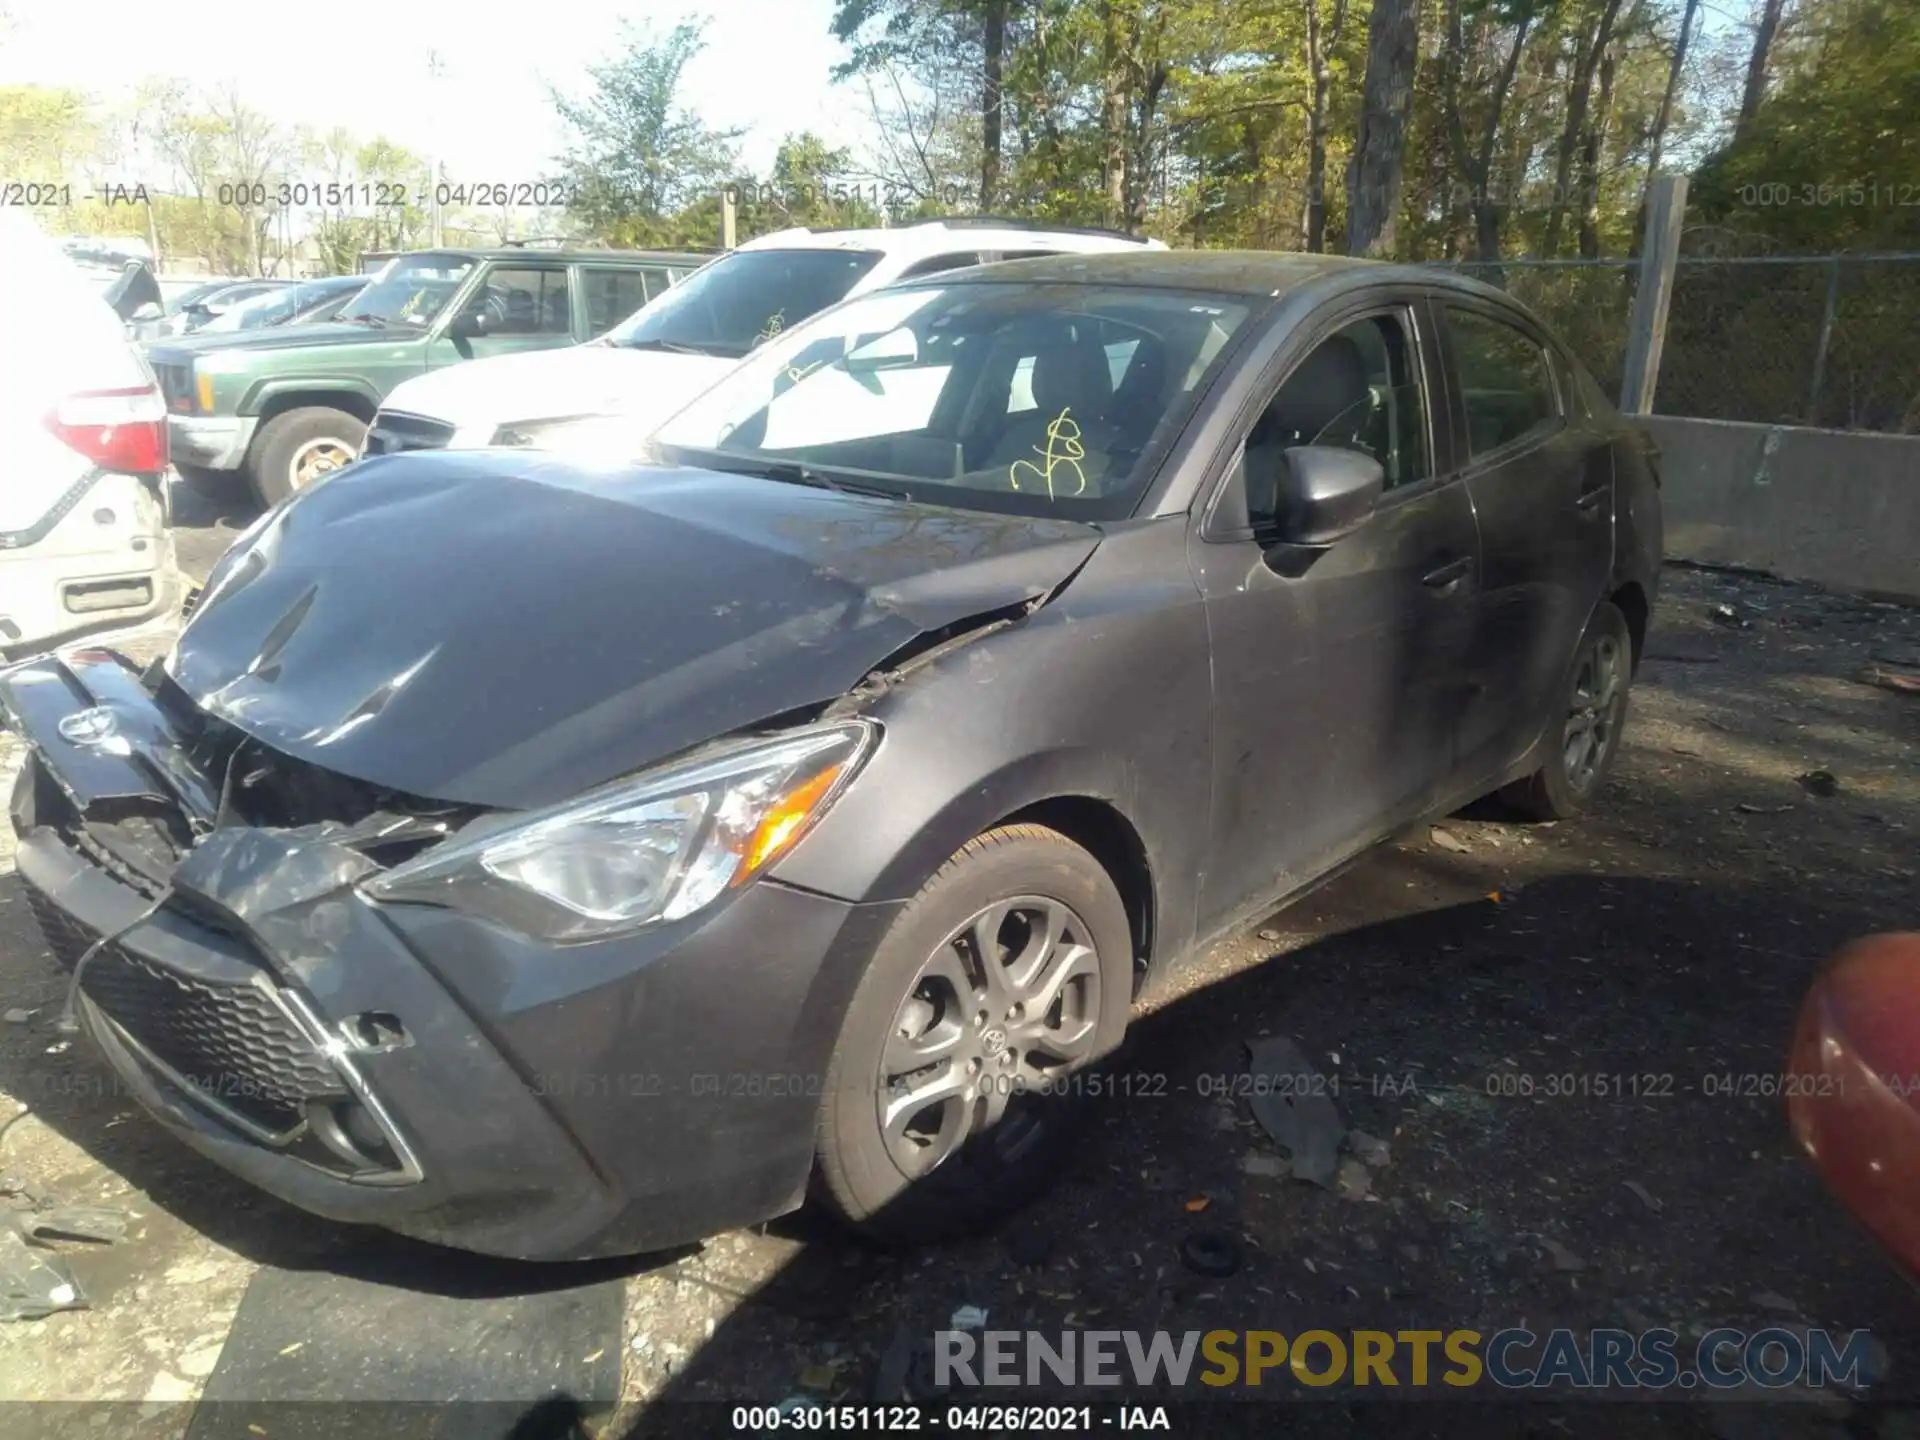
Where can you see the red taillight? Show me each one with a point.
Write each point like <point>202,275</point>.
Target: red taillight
<point>116,429</point>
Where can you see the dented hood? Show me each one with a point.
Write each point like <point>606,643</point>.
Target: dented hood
<point>507,629</point>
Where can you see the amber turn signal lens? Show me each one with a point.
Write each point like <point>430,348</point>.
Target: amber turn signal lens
<point>784,822</point>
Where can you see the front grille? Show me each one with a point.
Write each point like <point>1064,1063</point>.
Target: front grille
<point>230,1041</point>
<point>395,430</point>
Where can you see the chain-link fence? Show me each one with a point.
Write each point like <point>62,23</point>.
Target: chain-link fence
<point>1830,341</point>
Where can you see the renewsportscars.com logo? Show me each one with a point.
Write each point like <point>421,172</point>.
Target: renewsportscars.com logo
<point>1511,1359</point>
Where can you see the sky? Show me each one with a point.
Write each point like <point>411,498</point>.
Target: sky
<point>364,66</point>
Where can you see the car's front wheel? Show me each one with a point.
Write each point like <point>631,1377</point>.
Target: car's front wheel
<point>951,1091</point>
<point>297,447</point>
<point>1585,735</point>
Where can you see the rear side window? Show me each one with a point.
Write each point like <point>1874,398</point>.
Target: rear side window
<point>1506,382</point>
<point>614,294</point>
<point>934,264</point>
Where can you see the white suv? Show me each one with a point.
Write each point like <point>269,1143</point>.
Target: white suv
<point>84,543</point>
<point>656,361</point>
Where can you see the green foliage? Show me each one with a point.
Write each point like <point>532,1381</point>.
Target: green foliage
<point>1832,160</point>
<point>638,155</point>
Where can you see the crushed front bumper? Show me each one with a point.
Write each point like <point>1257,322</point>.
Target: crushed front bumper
<point>412,1067</point>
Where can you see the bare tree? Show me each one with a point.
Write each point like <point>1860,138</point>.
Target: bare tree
<point>1313,227</point>
<point>1373,170</point>
<point>1763,37</point>
<point>1664,116</point>
<point>992,100</point>
<point>1474,162</point>
<point>1115,103</point>
<point>1592,39</point>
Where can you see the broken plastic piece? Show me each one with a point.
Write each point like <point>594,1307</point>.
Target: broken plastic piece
<point>34,1285</point>
<point>1289,1099</point>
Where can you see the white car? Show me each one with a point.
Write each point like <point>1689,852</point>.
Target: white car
<point>84,543</point>
<point>671,350</point>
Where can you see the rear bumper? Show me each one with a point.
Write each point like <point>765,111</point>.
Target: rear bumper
<point>211,442</point>
<point>103,558</point>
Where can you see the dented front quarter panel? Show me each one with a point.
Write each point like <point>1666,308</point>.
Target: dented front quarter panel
<point>1103,694</point>
<point>508,629</point>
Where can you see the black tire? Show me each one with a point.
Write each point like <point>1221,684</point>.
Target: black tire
<point>1561,788</point>
<point>284,441</point>
<point>977,1184</point>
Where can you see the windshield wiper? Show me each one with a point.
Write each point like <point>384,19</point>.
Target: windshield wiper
<point>790,472</point>
<point>377,321</point>
<point>672,347</point>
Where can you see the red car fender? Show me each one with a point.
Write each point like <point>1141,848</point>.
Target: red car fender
<point>1853,1094</point>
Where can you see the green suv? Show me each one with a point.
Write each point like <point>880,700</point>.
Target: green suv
<point>286,405</point>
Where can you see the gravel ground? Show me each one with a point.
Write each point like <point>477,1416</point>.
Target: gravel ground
<point>1445,982</point>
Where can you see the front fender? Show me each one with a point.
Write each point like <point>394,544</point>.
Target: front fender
<point>1105,694</point>
<point>309,389</point>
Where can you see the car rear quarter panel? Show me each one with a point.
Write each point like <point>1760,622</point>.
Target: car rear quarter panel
<point>1104,695</point>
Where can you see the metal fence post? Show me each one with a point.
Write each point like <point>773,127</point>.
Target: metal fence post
<point>1647,330</point>
<point>729,217</point>
<point>1826,337</point>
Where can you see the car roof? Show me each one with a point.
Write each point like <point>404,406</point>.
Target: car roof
<point>932,237</point>
<point>526,252</point>
<point>1227,272</point>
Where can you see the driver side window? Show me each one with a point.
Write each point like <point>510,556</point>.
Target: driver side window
<point>1358,389</point>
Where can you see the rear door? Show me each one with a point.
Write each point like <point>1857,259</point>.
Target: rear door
<point>1541,480</point>
<point>610,293</point>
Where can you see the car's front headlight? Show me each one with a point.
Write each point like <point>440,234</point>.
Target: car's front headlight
<point>656,847</point>
<point>537,434</point>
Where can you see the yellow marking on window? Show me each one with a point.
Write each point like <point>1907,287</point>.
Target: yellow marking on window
<point>1065,433</point>
<point>776,322</point>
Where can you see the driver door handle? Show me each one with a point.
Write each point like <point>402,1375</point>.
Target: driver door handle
<point>1449,574</point>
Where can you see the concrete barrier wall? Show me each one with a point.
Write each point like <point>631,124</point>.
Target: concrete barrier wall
<point>1839,508</point>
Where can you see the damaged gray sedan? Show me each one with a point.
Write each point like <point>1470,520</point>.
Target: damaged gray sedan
<point>554,860</point>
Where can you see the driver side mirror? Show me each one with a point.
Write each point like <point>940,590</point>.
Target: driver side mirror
<point>1321,494</point>
<point>470,325</point>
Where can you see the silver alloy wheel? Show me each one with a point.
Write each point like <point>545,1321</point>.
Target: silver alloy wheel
<point>317,458</point>
<point>1593,711</point>
<point>1006,1004</point>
